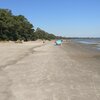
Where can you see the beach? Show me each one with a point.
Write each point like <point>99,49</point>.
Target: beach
<point>45,71</point>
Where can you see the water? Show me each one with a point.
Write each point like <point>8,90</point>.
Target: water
<point>93,42</point>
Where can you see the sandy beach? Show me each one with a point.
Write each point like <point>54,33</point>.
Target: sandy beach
<point>37,71</point>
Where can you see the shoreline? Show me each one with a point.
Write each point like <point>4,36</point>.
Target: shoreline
<point>91,48</point>
<point>83,54</point>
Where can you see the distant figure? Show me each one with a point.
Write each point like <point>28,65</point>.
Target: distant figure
<point>43,41</point>
<point>58,42</point>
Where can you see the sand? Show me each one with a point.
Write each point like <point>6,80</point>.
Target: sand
<point>37,71</point>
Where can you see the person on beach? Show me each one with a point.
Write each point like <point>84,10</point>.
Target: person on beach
<point>58,42</point>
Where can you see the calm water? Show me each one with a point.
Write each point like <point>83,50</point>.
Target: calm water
<point>94,42</point>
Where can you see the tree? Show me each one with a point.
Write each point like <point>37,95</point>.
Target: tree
<point>14,28</point>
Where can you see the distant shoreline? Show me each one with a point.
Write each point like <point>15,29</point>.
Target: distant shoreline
<point>80,49</point>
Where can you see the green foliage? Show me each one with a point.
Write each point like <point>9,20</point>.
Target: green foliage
<point>19,28</point>
<point>44,35</point>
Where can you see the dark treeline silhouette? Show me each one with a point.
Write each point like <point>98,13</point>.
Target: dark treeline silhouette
<point>14,28</point>
<point>61,37</point>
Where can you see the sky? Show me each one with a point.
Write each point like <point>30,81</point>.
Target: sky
<point>70,18</point>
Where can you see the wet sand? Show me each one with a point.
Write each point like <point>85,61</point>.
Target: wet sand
<point>37,71</point>
<point>84,54</point>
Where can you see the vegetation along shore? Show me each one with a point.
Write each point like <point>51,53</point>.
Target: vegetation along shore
<point>17,27</point>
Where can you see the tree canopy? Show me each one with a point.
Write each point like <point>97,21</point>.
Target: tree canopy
<point>17,27</point>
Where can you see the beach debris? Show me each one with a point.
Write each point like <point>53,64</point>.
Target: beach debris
<point>19,41</point>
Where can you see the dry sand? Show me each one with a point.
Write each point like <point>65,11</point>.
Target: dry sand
<point>37,71</point>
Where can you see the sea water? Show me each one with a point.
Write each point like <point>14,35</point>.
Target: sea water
<point>90,41</point>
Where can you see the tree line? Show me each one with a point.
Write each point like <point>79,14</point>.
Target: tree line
<point>17,27</point>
